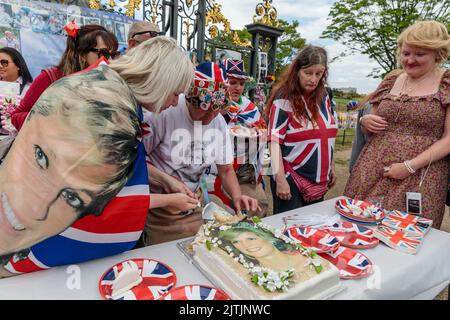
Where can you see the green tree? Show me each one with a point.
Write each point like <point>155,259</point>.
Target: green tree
<point>371,27</point>
<point>289,44</point>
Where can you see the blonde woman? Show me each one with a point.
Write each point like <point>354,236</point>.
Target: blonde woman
<point>409,127</point>
<point>78,148</point>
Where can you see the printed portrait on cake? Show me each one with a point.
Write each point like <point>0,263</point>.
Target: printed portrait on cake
<point>262,248</point>
<point>72,156</point>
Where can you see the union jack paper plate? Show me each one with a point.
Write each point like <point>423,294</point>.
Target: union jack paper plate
<point>354,210</point>
<point>399,240</point>
<point>353,236</point>
<point>351,263</point>
<point>195,292</point>
<point>158,279</point>
<point>318,240</point>
<point>407,222</point>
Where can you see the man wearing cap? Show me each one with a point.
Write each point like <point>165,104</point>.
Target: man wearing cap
<point>244,112</point>
<point>141,31</point>
<point>247,165</point>
<point>184,141</point>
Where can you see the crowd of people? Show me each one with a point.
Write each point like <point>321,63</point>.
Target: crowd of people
<point>82,125</point>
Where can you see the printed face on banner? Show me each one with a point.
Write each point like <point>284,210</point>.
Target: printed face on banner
<point>10,37</point>
<point>6,15</point>
<point>63,165</point>
<point>120,32</point>
<point>46,189</point>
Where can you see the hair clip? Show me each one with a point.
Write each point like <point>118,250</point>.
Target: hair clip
<point>72,29</point>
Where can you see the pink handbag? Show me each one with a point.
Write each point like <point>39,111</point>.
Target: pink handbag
<point>310,191</point>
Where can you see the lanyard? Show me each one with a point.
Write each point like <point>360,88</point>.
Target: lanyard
<point>424,174</point>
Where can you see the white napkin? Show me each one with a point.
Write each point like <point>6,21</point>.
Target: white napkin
<point>311,220</point>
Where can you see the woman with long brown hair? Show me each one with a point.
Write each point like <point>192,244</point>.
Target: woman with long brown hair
<point>302,132</point>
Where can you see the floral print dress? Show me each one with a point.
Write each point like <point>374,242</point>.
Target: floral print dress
<point>414,124</point>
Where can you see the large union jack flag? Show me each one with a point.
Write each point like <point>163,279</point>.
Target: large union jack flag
<point>157,280</point>
<point>307,148</point>
<point>195,292</point>
<point>407,222</point>
<point>399,239</point>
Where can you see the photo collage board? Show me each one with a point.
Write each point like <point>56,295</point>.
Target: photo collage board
<point>36,29</point>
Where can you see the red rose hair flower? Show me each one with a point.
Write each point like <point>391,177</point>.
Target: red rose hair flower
<point>72,29</point>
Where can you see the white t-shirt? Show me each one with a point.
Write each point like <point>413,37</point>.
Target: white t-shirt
<point>183,148</point>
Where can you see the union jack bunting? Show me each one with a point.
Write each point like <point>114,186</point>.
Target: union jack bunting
<point>157,280</point>
<point>318,240</point>
<point>195,292</point>
<point>407,222</point>
<point>307,148</point>
<point>351,264</point>
<point>399,239</point>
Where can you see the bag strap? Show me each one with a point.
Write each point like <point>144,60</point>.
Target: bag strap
<point>52,74</point>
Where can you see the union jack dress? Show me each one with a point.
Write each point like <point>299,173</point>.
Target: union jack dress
<point>307,148</point>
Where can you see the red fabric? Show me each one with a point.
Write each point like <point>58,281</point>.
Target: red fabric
<point>310,191</point>
<point>37,87</point>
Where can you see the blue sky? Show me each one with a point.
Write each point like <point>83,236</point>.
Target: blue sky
<point>312,15</point>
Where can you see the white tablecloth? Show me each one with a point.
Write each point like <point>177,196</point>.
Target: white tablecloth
<point>397,275</point>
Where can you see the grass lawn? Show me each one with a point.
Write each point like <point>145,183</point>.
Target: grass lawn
<point>342,142</point>
<point>341,104</point>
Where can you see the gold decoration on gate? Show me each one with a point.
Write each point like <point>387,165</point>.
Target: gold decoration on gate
<point>215,16</point>
<point>130,7</point>
<point>239,42</point>
<point>94,4</point>
<point>266,14</point>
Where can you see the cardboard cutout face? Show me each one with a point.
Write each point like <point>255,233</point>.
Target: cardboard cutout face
<point>68,159</point>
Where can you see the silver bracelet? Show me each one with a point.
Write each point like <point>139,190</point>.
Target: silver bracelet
<point>408,166</point>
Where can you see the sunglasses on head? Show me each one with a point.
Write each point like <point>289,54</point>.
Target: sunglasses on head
<point>152,34</point>
<point>4,63</point>
<point>103,52</point>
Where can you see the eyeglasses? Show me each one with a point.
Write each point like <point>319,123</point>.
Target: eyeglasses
<point>4,63</point>
<point>152,34</point>
<point>103,52</point>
